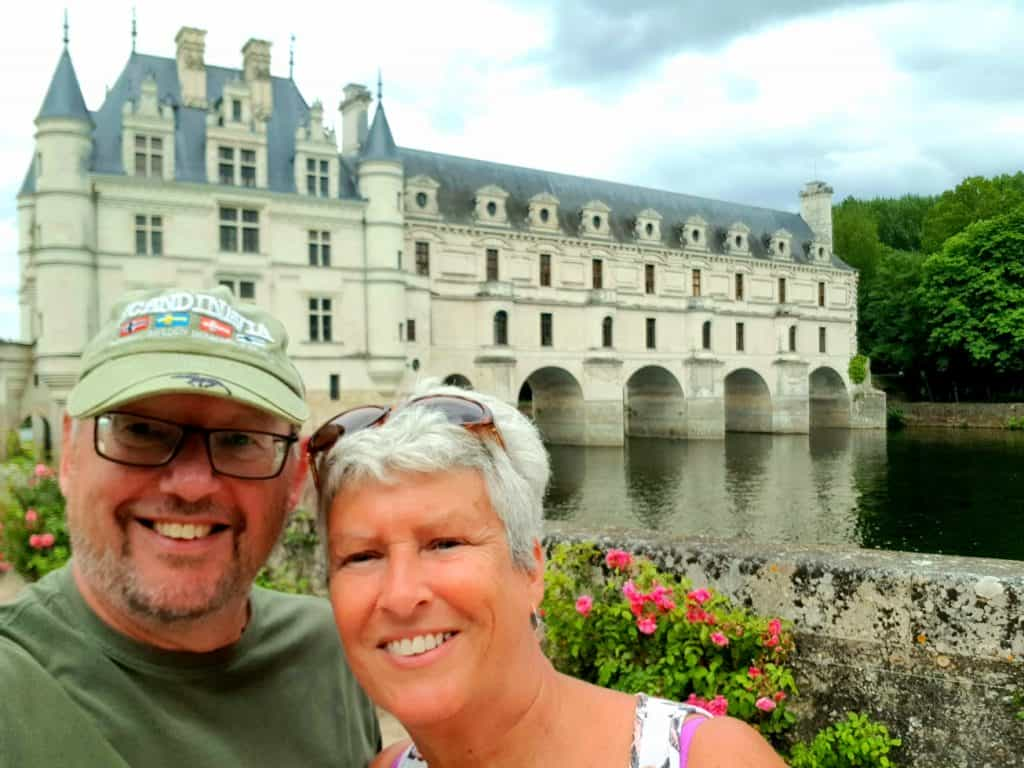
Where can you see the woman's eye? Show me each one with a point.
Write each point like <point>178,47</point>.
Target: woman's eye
<point>445,543</point>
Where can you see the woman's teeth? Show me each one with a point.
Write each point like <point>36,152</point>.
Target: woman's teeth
<point>414,646</point>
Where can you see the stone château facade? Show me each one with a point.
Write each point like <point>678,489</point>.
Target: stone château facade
<point>605,309</point>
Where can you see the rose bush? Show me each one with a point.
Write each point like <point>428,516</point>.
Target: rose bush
<point>33,533</point>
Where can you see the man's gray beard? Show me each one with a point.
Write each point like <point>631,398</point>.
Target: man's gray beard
<point>111,573</point>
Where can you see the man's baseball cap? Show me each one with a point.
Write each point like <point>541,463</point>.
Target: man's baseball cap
<point>173,340</point>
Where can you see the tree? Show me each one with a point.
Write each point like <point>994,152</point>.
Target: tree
<point>901,220</point>
<point>972,297</point>
<point>974,199</point>
<point>892,330</point>
<point>855,237</point>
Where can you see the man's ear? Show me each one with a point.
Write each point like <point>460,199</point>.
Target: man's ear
<point>67,432</point>
<point>298,481</point>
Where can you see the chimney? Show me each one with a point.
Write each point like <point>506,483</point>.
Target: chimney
<point>256,70</point>
<point>816,208</point>
<point>354,108</point>
<point>191,44</point>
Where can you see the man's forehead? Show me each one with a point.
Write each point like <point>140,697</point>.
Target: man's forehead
<point>204,409</point>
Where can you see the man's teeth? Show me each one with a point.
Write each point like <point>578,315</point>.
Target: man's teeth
<point>183,530</point>
<point>413,646</point>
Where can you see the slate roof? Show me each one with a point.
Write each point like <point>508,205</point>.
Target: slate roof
<point>64,96</point>
<point>461,177</point>
<point>380,144</point>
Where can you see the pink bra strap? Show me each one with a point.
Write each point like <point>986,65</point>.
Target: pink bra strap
<point>686,736</point>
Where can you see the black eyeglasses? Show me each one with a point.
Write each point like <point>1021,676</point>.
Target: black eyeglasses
<point>141,441</point>
<point>463,411</point>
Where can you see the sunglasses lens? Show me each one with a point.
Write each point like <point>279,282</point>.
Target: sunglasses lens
<point>456,409</point>
<point>343,424</point>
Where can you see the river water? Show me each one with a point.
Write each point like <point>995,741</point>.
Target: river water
<point>939,491</point>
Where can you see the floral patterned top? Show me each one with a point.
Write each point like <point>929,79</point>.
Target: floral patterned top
<point>657,727</point>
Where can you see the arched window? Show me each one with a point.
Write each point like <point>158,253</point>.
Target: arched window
<point>500,328</point>
<point>705,335</point>
<point>792,338</point>
<point>606,332</point>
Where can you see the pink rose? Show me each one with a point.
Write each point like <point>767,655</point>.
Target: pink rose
<point>772,641</point>
<point>662,597</point>
<point>46,540</point>
<point>647,625</point>
<point>584,603</point>
<point>31,516</point>
<point>754,672</point>
<point>618,559</point>
<point>719,639</point>
<point>775,626</point>
<point>4,567</point>
<point>699,596</point>
<point>779,696</point>
<point>42,470</point>
<point>34,541</point>
<point>632,594</point>
<point>718,706</point>
<point>695,615</point>
<point>765,704</point>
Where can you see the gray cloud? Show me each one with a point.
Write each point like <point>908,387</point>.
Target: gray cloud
<point>618,40</point>
<point>991,76</point>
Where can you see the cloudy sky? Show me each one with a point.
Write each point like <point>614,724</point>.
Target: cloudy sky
<point>743,100</point>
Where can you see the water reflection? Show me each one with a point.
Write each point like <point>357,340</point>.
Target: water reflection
<point>951,491</point>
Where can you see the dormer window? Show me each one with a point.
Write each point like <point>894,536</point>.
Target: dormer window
<point>148,134</point>
<point>820,252</point>
<point>236,145</point>
<point>594,219</point>
<point>236,110</point>
<point>693,235</point>
<point>648,225</point>
<point>737,239</point>
<point>543,212</point>
<point>490,205</point>
<point>779,244</point>
<point>421,196</point>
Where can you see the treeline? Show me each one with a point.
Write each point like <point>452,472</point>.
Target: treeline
<point>941,298</point>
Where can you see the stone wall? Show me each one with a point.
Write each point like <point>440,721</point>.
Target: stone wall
<point>983,415</point>
<point>927,644</point>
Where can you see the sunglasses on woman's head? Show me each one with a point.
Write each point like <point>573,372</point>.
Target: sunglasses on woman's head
<point>463,411</point>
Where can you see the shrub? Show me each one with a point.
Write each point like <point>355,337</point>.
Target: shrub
<point>851,743</point>
<point>33,532</point>
<point>1015,423</point>
<point>619,622</point>
<point>858,369</point>
<point>895,418</point>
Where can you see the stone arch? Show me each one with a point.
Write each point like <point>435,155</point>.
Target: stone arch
<point>748,402</point>
<point>829,400</point>
<point>553,397</point>
<point>458,380</point>
<point>654,404</point>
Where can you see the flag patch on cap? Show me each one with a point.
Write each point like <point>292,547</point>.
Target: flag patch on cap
<point>215,327</point>
<point>136,324</point>
<point>172,320</point>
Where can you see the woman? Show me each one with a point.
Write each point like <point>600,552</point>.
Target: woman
<point>432,520</point>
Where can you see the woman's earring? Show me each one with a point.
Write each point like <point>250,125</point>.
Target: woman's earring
<point>534,619</point>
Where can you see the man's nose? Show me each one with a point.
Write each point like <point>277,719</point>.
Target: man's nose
<point>190,475</point>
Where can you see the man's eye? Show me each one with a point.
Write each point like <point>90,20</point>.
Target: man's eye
<point>142,430</point>
<point>359,557</point>
<point>235,439</point>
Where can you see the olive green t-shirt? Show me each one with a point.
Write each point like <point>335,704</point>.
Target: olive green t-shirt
<point>73,692</point>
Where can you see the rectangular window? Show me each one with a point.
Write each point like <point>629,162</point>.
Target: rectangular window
<point>335,386</point>
<point>739,286</point>
<point>319,319</point>
<point>248,168</point>
<point>705,335</point>
<point>792,338</point>
<point>410,330</point>
<point>422,258</point>
<point>492,264</point>
<point>696,282</point>
<point>236,110</point>
<point>235,230</point>
<point>596,274</point>
<point>546,332</point>
<point>652,341</point>
<point>149,236</point>
<point>821,294</point>
<point>226,165</point>
<point>739,337</point>
<point>243,289</point>
<point>822,347</point>
<point>545,269</point>
<point>319,248</point>
<point>149,156</point>
<point>782,290</point>
<point>310,176</point>
<point>648,278</point>
<point>324,179</point>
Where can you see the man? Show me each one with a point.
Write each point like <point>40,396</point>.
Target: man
<point>180,462</point>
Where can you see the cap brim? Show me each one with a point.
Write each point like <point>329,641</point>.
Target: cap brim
<point>132,377</point>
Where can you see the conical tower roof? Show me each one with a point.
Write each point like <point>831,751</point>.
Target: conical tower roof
<point>64,97</point>
<point>380,144</point>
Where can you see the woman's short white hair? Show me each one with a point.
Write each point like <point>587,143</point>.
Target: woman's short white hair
<point>421,440</point>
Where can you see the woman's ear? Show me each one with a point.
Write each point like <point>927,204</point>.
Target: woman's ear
<point>537,574</point>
